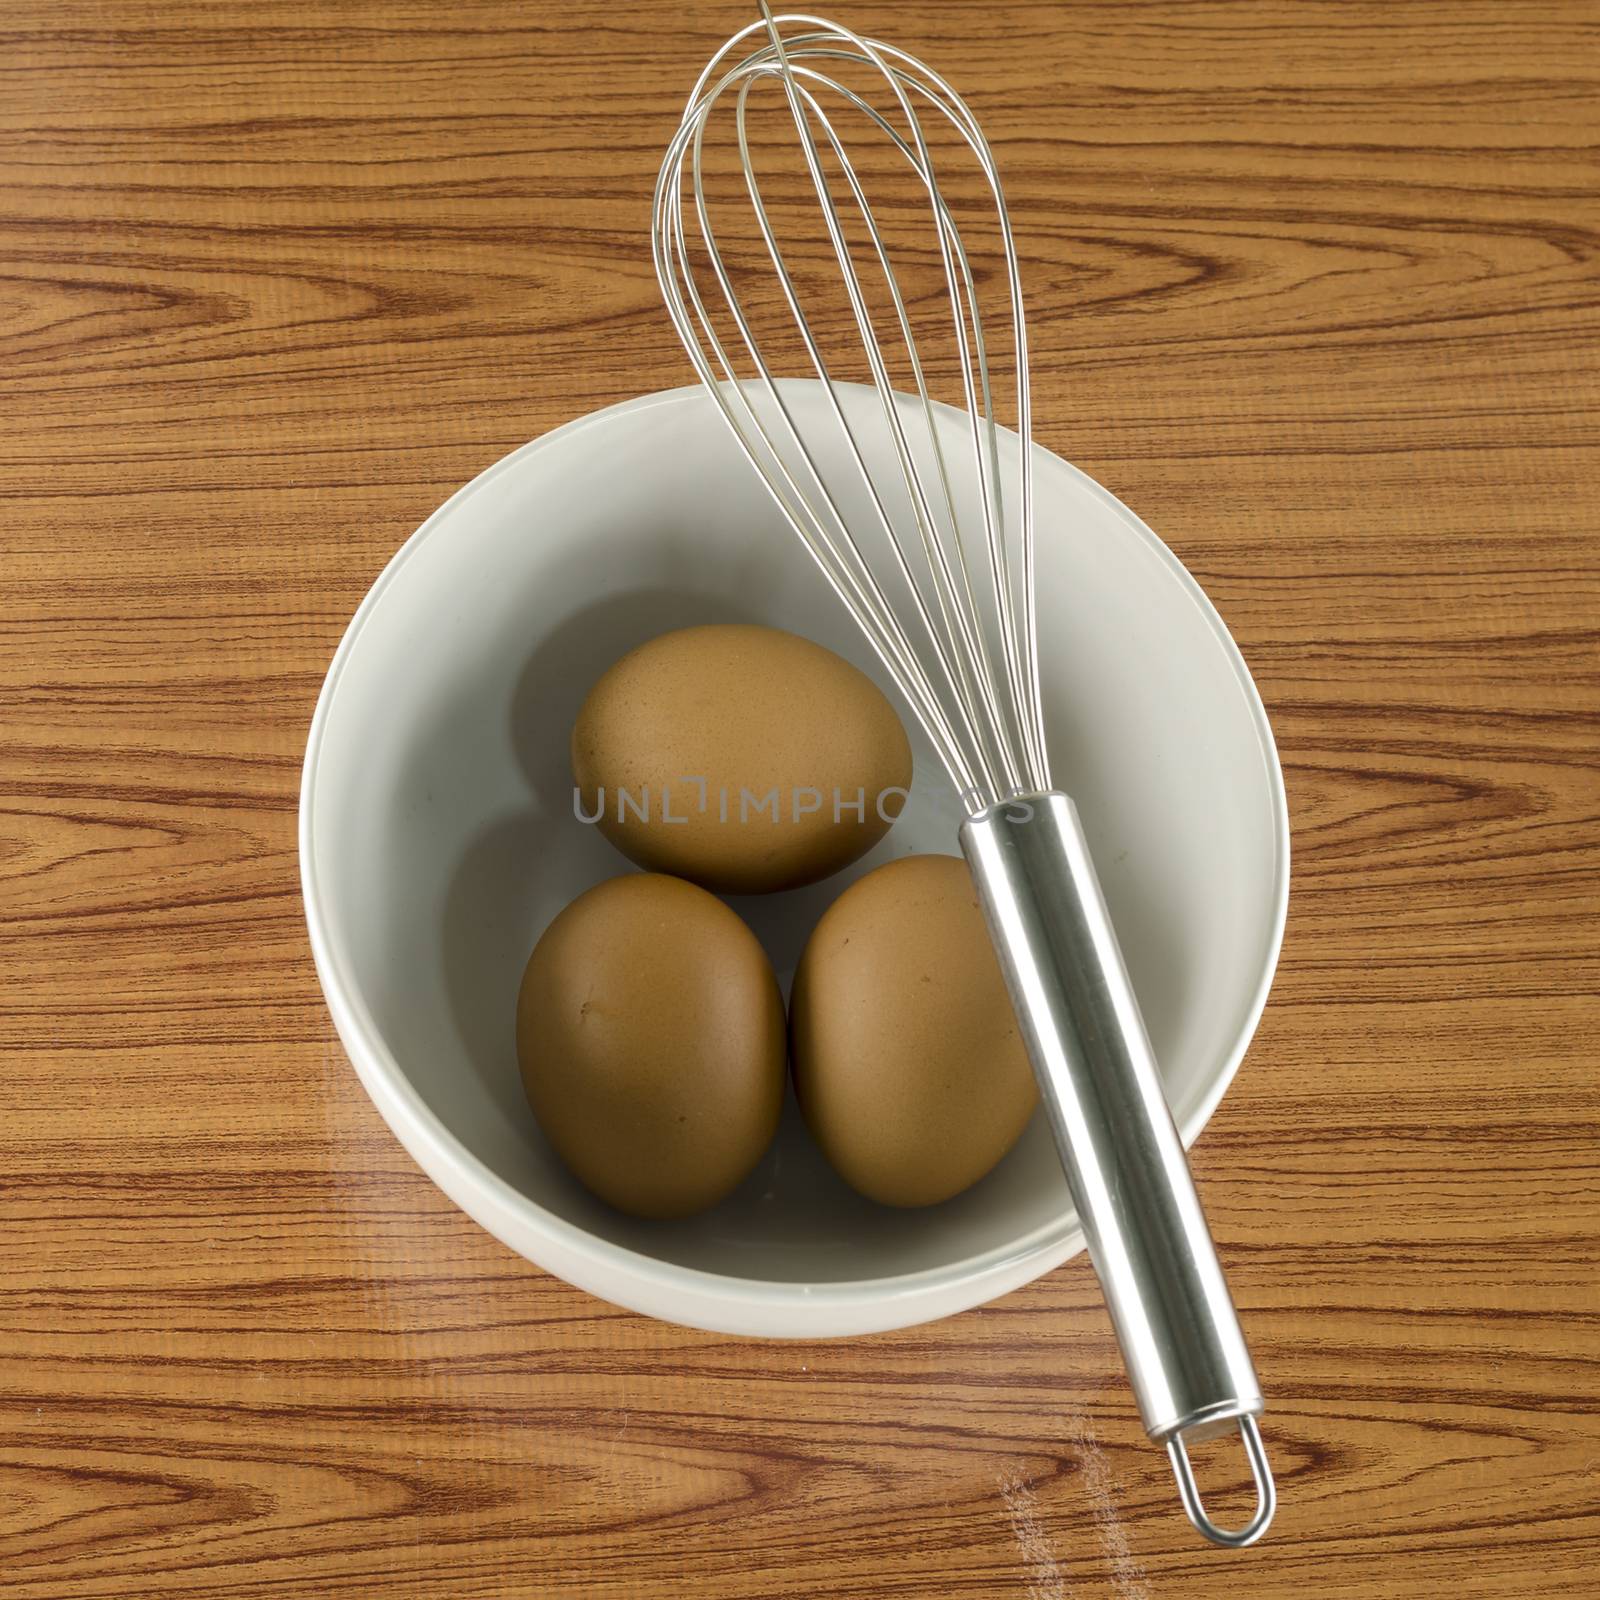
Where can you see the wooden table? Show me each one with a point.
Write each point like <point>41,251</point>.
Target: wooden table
<point>1314,288</point>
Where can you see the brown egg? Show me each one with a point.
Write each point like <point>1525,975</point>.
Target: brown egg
<point>743,758</point>
<point>907,1059</point>
<point>650,1035</point>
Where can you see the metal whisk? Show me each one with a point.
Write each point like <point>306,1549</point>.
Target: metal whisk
<point>953,543</point>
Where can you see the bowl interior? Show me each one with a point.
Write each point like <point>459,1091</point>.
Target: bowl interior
<point>444,840</point>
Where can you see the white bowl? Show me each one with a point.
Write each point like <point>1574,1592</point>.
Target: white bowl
<point>437,839</point>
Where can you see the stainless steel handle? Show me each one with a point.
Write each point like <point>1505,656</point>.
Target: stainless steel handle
<point>1185,1352</point>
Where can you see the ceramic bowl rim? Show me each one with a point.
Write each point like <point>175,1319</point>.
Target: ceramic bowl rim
<point>430,1142</point>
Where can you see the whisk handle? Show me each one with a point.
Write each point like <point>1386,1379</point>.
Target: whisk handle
<point>1180,1336</point>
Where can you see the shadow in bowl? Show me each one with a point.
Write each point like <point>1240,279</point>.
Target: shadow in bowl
<point>569,661</point>
<point>793,1218</point>
<point>519,869</point>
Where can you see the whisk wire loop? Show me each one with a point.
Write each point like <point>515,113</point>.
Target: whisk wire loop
<point>823,532</point>
<point>976,691</point>
<point>972,680</point>
<point>858,588</point>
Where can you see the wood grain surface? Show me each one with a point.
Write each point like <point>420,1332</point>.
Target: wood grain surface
<point>1314,288</point>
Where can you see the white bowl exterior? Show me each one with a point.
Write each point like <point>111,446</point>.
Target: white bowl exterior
<point>437,839</point>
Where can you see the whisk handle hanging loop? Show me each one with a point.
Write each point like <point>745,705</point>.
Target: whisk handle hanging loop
<point>1185,1352</point>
